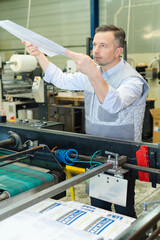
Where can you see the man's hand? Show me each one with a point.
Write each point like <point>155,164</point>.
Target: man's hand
<point>33,50</point>
<point>87,66</point>
<point>83,62</point>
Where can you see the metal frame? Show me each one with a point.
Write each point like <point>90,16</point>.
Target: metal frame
<point>94,15</point>
<point>86,145</point>
<point>139,228</point>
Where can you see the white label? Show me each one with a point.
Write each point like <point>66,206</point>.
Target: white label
<point>155,129</point>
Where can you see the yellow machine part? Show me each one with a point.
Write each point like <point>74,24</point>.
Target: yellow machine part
<point>69,170</point>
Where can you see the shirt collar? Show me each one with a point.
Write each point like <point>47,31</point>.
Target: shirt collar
<point>114,69</point>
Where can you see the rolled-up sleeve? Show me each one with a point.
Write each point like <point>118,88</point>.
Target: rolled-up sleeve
<point>63,80</point>
<point>128,93</point>
<point>49,73</point>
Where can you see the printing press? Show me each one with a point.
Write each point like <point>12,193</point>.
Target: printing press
<point>118,158</point>
<point>23,93</point>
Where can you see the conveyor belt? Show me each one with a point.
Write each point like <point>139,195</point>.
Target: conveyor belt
<point>17,179</point>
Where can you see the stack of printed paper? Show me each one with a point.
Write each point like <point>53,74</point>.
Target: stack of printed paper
<point>56,220</point>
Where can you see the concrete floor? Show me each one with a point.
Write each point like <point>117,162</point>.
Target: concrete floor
<point>143,193</point>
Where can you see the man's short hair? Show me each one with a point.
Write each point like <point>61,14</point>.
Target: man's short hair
<point>119,33</point>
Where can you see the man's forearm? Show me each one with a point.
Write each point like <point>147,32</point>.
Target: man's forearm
<point>41,58</point>
<point>43,61</point>
<point>87,66</point>
<point>99,84</point>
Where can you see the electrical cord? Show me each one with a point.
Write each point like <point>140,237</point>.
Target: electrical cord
<point>63,157</point>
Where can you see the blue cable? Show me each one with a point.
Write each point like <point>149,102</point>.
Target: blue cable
<point>63,156</point>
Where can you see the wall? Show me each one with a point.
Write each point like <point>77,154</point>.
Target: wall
<point>140,20</point>
<point>66,22</point>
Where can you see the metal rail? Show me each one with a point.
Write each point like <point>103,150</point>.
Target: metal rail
<point>140,168</point>
<point>13,161</point>
<point>138,229</point>
<point>121,163</point>
<point>17,154</point>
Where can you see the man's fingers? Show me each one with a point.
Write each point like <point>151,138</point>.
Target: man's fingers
<point>28,44</point>
<point>71,54</point>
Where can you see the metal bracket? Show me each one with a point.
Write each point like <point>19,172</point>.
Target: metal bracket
<point>117,162</point>
<point>17,139</point>
<point>154,204</point>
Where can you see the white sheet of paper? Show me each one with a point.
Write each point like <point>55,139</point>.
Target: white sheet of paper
<point>44,45</point>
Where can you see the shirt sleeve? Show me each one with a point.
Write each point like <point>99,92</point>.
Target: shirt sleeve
<point>120,98</point>
<point>62,80</point>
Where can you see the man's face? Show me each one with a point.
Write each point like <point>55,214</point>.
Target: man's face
<point>105,52</point>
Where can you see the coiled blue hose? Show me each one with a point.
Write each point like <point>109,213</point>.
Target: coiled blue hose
<point>63,157</point>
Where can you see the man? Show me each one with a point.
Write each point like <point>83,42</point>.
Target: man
<point>114,92</point>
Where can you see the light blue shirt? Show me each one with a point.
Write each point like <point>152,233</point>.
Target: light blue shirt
<point>116,99</point>
<point>123,96</point>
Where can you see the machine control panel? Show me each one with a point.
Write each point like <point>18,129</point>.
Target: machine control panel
<point>38,89</point>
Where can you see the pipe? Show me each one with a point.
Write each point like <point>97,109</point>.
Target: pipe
<point>94,15</point>
<point>7,142</point>
<point>13,161</point>
<point>17,154</point>
<point>28,18</point>
<point>154,234</point>
<point>128,22</point>
<point>117,13</point>
<point>75,170</point>
<point>72,191</point>
<point>153,61</point>
<point>129,166</point>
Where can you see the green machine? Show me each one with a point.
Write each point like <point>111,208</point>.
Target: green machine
<point>27,169</point>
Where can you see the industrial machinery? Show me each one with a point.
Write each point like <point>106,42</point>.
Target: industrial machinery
<point>22,89</point>
<point>116,160</point>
